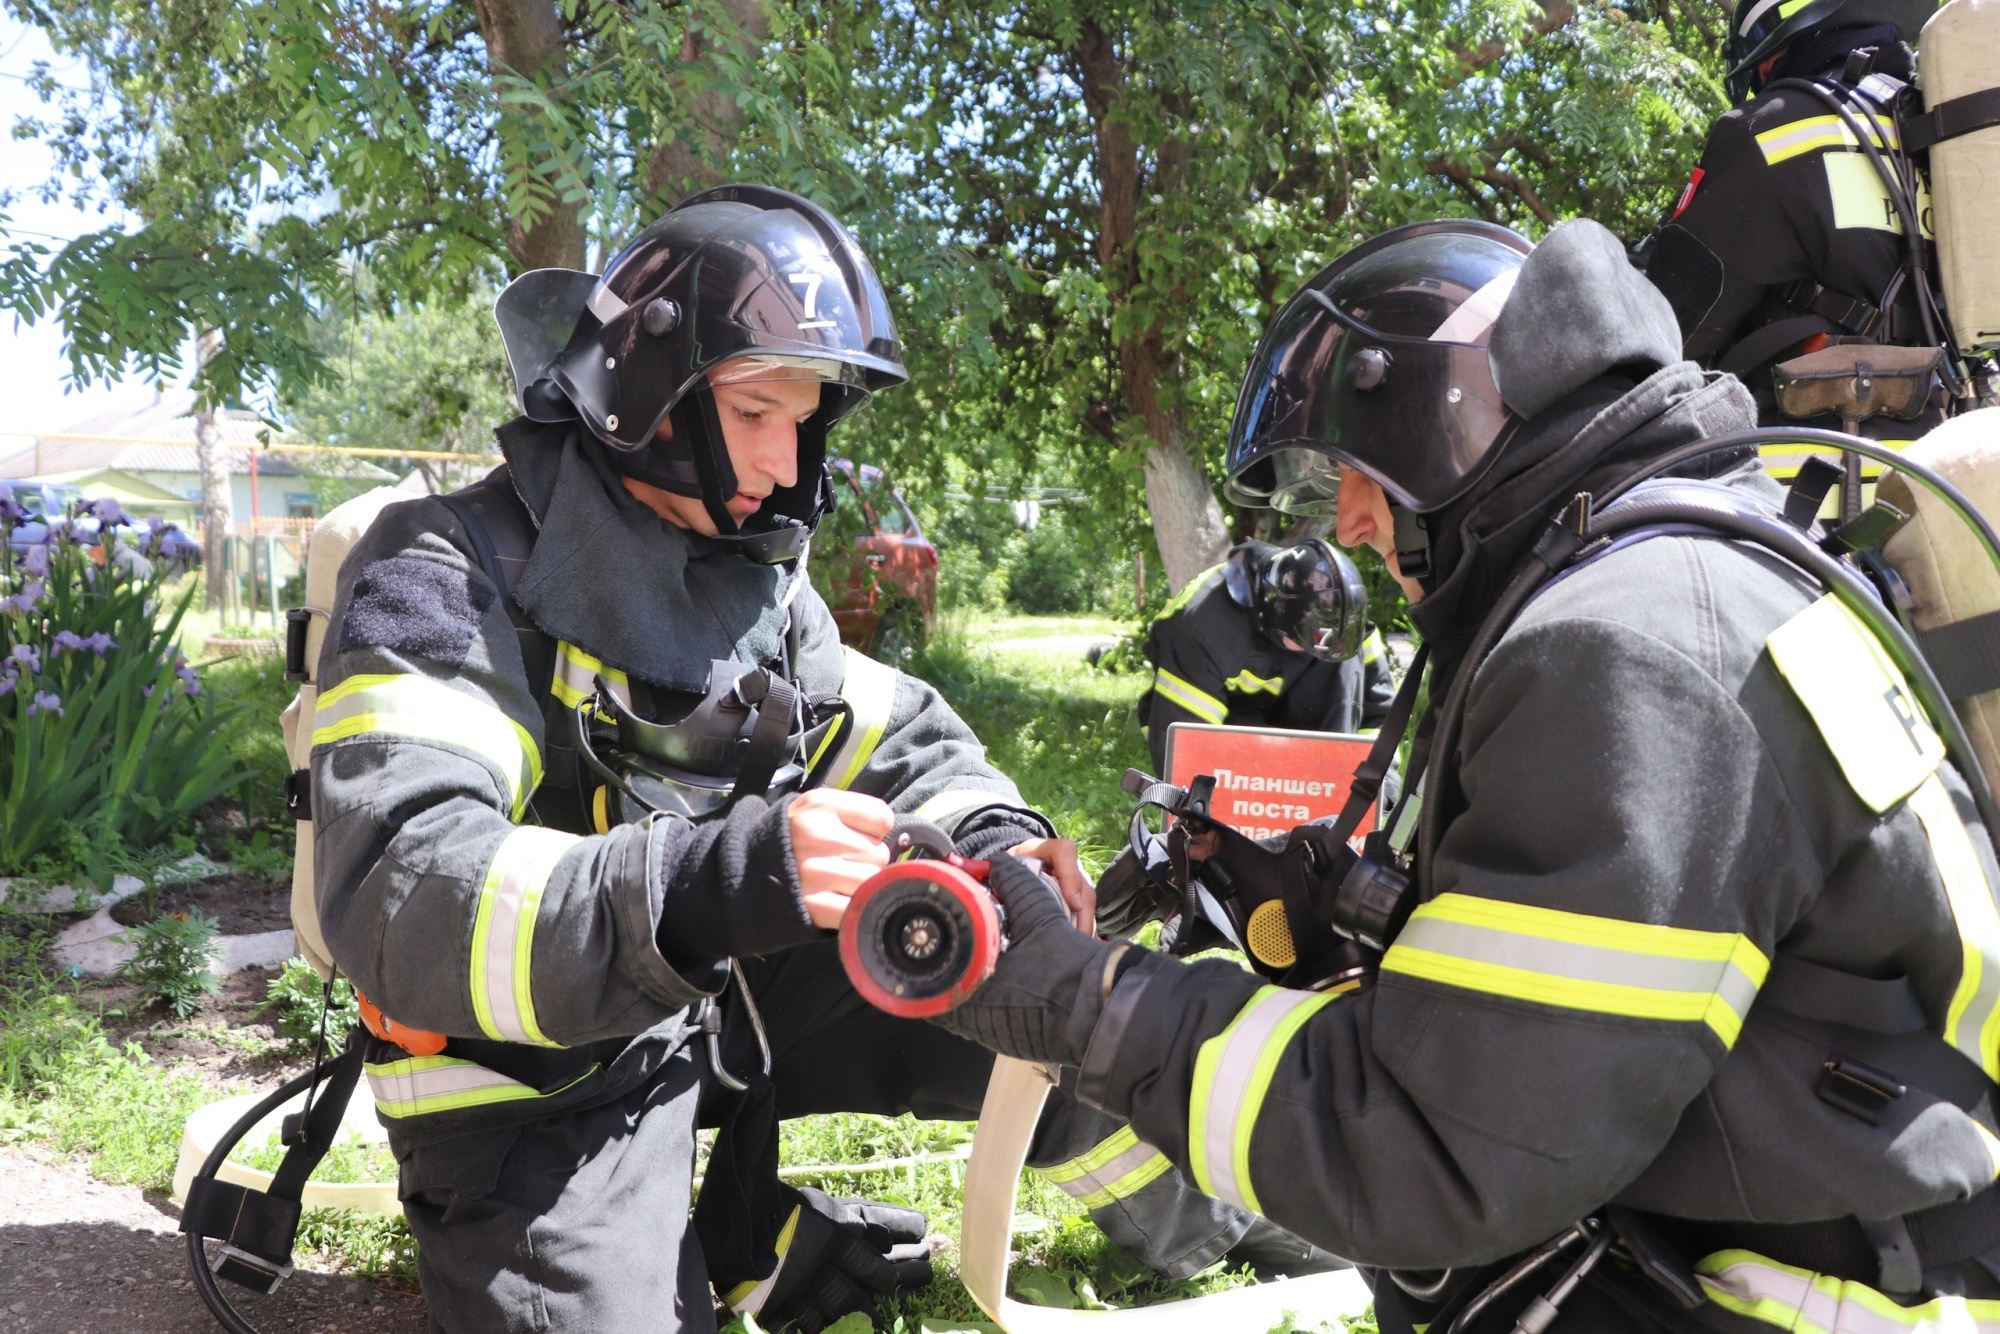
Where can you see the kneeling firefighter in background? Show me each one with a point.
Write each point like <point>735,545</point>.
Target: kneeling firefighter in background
<point>1272,637</point>
<point>587,748</point>
<point>1682,1014</point>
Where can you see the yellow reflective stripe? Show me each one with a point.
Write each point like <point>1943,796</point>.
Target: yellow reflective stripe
<point>1816,132</point>
<point>503,933</point>
<point>1602,965</point>
<point>576,674</point>
<point>1782,461</point>
<point>1247,682</point>
<point>1860,701</point>
<point>947,806</point>
<point>870,691</point>
<point>426,1084</point>
<point>1372,648</point>
<point>750,1295</point>
<point>1232,1074</point>
<point>1197,702</point>
<point>418,708</point>
<point>1972,1021</point>
<point>1809,1303</point>
<point>1186,595</point>
<point>1117,1169</point>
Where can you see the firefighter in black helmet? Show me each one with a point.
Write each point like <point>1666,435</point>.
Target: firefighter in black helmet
<point>1684,1018</point>
<point>1272,637</point>
<point>1788,237</point>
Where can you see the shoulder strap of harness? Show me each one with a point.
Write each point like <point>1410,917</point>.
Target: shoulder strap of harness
<point>503,537</point>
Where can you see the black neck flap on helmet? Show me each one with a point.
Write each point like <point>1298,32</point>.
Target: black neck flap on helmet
<point>739,272</point>
<point>1310,599</point>
<point>1379,364</point>
<point>1760,29</point>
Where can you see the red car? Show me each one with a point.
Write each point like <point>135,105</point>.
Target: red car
<point>874,566</point>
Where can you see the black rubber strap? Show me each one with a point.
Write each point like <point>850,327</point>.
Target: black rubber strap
<point>770,736</point>
<point>1765,343</point>
<point>1948,120</point>
<point>1850,312</point>
<point>1370,773</point>
<point>1815,478</point>
<point>1965,654</point>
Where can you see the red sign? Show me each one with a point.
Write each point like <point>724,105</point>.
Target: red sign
<point>1267,780</point>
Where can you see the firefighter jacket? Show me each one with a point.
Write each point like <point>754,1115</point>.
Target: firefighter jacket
<point>561,961</point>
<point>1213,665</point>
<point>1786,235</point>
<point>1684,766</point>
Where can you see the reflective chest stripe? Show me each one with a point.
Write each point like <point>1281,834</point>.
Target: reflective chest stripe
<point>426,1084</point>
<point>948,807</point>
<point>1972,1022</point>
<point>1120,1167</point>
<point>1372,648</point>
<point>1800,1300</point>
<point>1232,1075</point>
<point>1184,693</point>
<point>576,674</point>
<point>1813,133</point>
<point>1600,965</point>
<point>1247,682</point>
<point>1179,601</point>
<point>503,933</point>
<point>870,691</point>
<point>1859,700</point>
<point>421,709</point>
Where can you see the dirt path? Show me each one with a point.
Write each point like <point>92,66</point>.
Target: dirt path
<point>78,1255</point>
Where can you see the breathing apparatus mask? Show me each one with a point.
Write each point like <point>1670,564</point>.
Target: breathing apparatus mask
<point>741,737</point>
<point>1307,598</point>
<point>741,282</point>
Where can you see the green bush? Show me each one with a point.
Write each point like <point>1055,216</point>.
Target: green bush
<point>102,724</point>
<point>298,997</point>
<point>171,962</point>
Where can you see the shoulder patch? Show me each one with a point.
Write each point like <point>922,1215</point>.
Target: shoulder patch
<point>1859,700</point>
<point>420,607</point>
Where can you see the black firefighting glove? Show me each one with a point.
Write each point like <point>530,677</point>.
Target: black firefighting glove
<point>1042,999</point>
<point>836,1257</point>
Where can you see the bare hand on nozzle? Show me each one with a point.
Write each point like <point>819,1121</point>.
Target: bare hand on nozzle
<point>1059,860</point>
<point>837,842</point>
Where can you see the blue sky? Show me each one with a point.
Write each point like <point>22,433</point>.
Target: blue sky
<point>35,371</point>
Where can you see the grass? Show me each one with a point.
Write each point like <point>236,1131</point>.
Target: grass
<point>1062,730</point>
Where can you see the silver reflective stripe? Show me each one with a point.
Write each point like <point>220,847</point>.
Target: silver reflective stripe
<point>950,806</point>
<point>575,678</point>
<point>1797,1299</point>
<point>606,304</point>
<point>421,709</point>
<point>1972,1021</point>
<point>425,1084</point>
<point>1120,1167</point>
<point>503,933</point>
<point>1232,1073</point>
<point>870,691</point>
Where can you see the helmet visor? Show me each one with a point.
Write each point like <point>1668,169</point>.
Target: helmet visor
<point>1379,364</point>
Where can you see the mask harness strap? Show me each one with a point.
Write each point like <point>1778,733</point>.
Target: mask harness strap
<point>776,701</point>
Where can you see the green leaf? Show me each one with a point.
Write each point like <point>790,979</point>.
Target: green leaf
<point>1044,1287</point>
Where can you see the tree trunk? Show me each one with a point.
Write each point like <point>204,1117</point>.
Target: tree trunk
<point>525,38</point>
<point>690,163</point>
<point>212,459</point>
<point>1188,525</point>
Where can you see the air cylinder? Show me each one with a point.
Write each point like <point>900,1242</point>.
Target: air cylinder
<point>1959,56</point>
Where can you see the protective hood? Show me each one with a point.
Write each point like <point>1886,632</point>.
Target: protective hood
<point>1577,310</point>
<point>613,578</point>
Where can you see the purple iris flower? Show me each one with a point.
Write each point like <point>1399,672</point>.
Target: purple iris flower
<point>189,678</point>
<point>68,640</point>
<point>27,655</point>
<point>46,701</point>
<point>10,508</point>
<point>146,691</point>
<point>106,509</point>
<point>35,562</point>
<point>100,643</point>
<point>25,600</point>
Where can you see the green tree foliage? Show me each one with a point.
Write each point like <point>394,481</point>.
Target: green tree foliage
<point>1086,209</point>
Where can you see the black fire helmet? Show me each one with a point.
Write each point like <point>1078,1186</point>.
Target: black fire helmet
<point>740,273</point>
